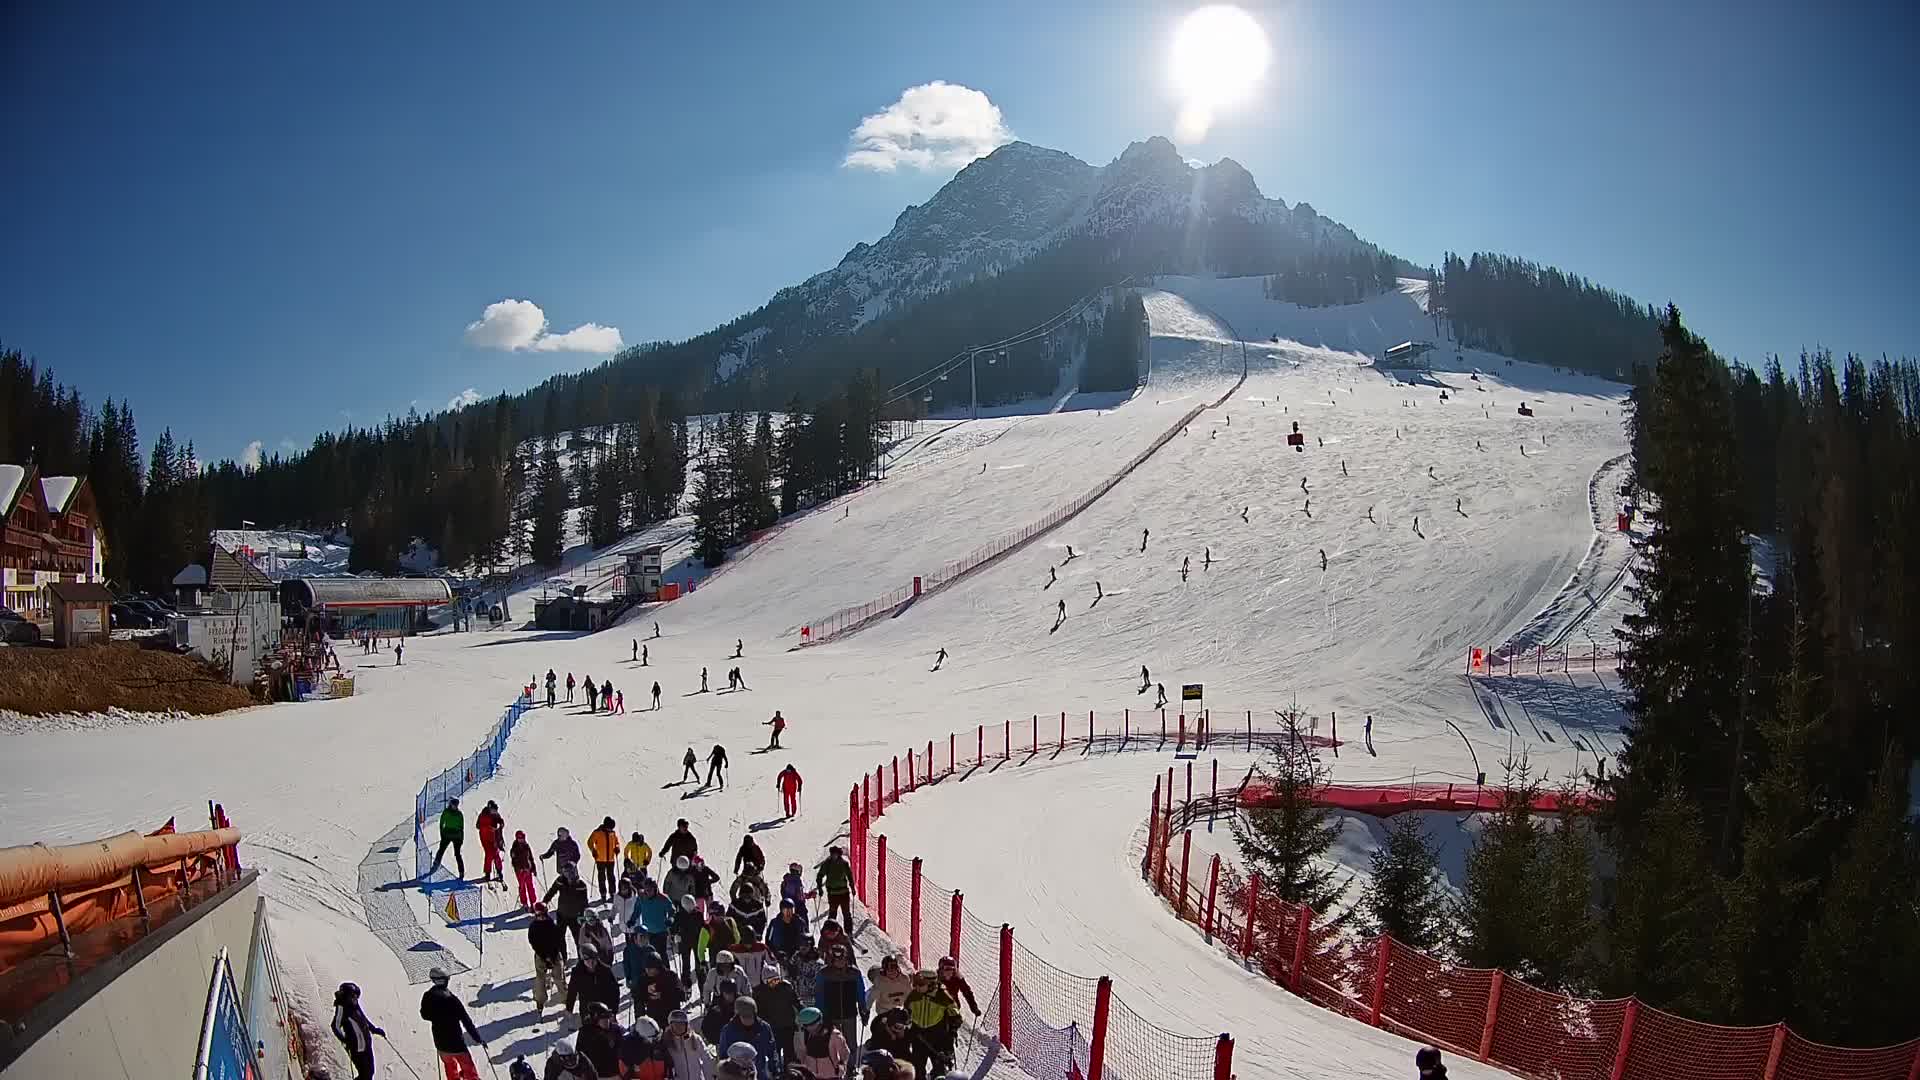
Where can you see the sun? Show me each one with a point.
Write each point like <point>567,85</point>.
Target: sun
<point>1220,54</point>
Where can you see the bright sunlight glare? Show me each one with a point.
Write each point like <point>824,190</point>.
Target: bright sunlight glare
<point>1220,54</point>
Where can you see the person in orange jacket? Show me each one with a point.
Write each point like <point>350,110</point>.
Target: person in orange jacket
<point>789,781</point>
<point>604,845</point>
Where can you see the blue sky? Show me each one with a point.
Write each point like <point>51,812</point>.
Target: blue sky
<point>259,221</point>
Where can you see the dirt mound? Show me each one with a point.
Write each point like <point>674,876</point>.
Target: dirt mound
<point>122,675</point>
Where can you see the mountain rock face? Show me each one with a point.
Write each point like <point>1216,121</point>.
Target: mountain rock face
<point>1149,211</point>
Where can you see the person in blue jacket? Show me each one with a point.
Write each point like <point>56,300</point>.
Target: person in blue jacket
<point>747,1027</point>
<point>786,931</point>
<point>652,916</point>
<point>841,994</point>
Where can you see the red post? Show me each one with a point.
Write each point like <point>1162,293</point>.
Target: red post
<point>866,790</point>
<point>879,790</point>
<point>1380,963</point>
<point>1223,1058</point>
<point>1163,725</point>
<point>1774,1051</point>
<point>896,778</point>
<point>1213,889</point>
<point>913,941</point>
<point>1300,938</point>
<point>1914,1072</point>
<point>1213,794</point>
<point>953,933</point>
<point>1006,988</point>
<point>1097,1048</point>
<point>1249,730</point>
<point>853,833</point>
<point>881,882</point>
<point>912,775</point>
<point>1626,1039</point>
<point>980,752</point>
<point>1189,788</point>
<point>929,761</point>
<point>950,758</point>
<point>1493,1015</point>
<point>1186,857</point>
<point>1253,906</point>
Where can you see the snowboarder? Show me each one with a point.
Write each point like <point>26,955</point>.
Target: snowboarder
<point>739,648</point>
<point>656,695</point>
<point>1070,556</point>
<point>491,826</point>
<point>452,1027</point>
<point>569,687</point>
<point>690,767</point>
<point>778,724</point>
<point>1143,539</point>
<point>716,766</point>
<point>354,1030</point>
<point>1323,560</point>
<point>521,857</point>
<point>940,658</point>
<point>453,827</point>
<point>789,783</point>
<point>703,680</point>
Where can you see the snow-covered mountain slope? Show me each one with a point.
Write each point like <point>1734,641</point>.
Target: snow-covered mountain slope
<point>1382,630</point>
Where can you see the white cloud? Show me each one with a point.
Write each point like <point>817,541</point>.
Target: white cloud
<point>289,446</point>
<point>520,326</point>
<point>938,125</point>
<point>461,400</point>
<point>250,457</point>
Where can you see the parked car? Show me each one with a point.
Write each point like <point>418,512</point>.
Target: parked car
<point>156,612</point>
<point>16,629</point>
<point>124,616</point>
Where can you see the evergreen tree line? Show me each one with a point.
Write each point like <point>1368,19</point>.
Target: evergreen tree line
<point>1116,351</point>
<point>1543,314</point>
<point>1324,278</point>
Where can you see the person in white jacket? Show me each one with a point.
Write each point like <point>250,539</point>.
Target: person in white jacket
<point>686,1050</point>
<point>623,903</point>
<point>888,985</point>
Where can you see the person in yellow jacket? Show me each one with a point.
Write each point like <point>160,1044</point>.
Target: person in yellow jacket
<point>638,855</point>
<point>604,846</point>
<point>936,1019</point>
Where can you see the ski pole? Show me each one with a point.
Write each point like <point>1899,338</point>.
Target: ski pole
<point>398,1057</point>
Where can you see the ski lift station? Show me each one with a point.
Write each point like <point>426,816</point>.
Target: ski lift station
<point>1408,356</point>
<point>350,604</point>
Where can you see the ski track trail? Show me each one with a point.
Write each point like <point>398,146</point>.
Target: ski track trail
<point>317,787</point>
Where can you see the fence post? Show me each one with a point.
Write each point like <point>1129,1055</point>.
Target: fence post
<point>1097,1049</point>
<point>1774,1051</point>
<point>1300,937</point>
<point>1223,1058</point>
<point>879,790</point>
<point>1006,751</point>
<point>1089,731</point>
<point>1036,730</point>
<point>980,753</point>
<point>896,777</point>
<point>913,941</point>
<point>1253,906</point>
<point>913,775</point>
<point>1213,888</point>
<point>951,764</point>
<point>1153,830</point>
<point>1626,1039</point>
<point>1493,1014</point>
<point>1249,731</point>
<point>1189,788</point>
<point>880,882</point>
<point>1006,988</point>
<point>1380,963</point>
<point>929,761</point>
<point>1213,795</point>
<point>953,924</point>
<point>1186,856</point>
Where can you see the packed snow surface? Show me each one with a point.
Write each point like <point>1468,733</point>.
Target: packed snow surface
<point>1383,629</point>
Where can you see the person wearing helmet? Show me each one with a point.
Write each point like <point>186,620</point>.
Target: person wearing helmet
<point>521,856</point>
<point>956,985</point>
<point>625,895</point>
<point>572,904</point>
<point>834,876</point>
<point>893,1032</point>
<point>549,944</point>
<point>786,932</point>
<point>521,1070</point>
<point>678,881</point>
<point>741,1063</point>
<point>818,1050</point>
<point>687,928</point>
<point>652,916</point>
<point>354,1030</point>
<point>793,887</point>
<point>723,933</point>
<point>779,1005</point>
<point>749,855</point>
<point>841,994</point>
<point>686,1051</point>
<point>567,1063</point>
<point>719,1011</point>
<point>748,899</point>
<point>564,849</point>
<point>704,879</point>
<point>747,1027</point>
<point>599,1038</point>
<point>453,829</point>
<point>638,855</point>
<point>1428,1062</point>
<point>592,980</point>
<point>830,936</point>
<point>805,965</point>
<point>881,1065</point>
<point>452,1027</point>
<point>641,1053</point>
<point>935,1020</point>
<point>595,935</point>
<point>890,984</point>
<point>604,844</point>
<point>656,992</point>
<point>725,966</point>
<point>680,842</point>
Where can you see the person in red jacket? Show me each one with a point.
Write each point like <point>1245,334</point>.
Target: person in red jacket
<point>956,985</point>
<point>778,724</point>
<point>789,781</point>
<point>491,827</point>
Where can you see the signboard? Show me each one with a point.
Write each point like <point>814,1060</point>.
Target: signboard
<point>86,620</point>
<point>1190,692</point>
<point>226,1053</point>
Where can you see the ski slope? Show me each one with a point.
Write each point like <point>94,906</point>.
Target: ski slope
<point>1382,630</point>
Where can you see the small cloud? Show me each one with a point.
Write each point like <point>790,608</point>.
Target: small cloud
<point>289,446</point>
<point>464,398</point>
<point>520,326</point>
<point>938,125</point>
<point>250,457</point>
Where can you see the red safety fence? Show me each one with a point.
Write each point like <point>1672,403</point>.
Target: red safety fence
<point>1541,660</point>
<point>849,619</point>
<point>1387,799</point>
<point>1480,1013</point>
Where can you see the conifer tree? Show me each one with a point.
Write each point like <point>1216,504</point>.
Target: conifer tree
<point>1404,897</point>
<point>1660,927</point>
<point>549,506</point>
<point>710,535</point>
<point>1286,838</point>
<point>1498,919</point>
<point>1564,949</point>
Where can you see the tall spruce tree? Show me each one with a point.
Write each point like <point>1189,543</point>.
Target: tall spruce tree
<point>1286,838</point>
<point>1498,918</point>
<point>1404,897</point>
<point>549,507</point>
<point>710,514</point>
<point>1660,926</point>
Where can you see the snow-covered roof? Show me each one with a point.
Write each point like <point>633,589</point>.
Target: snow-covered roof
<point>58,490</point>
<point>11,477</point>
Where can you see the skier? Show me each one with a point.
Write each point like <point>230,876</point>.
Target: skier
<point>656,695</point>
<point>637,855</point>
<point>1323,559</point>
<point>1297,440</point>
<point>453,827</point>
<point>1370,515</point>
<point>572,892</point>
<point>400,646</point>
<point>1303,483</point>
<point>549,944</point>
<point>1427,1060</point>
<point>841,995</point>
<point>1143,539</point>
<point>936,1016</point>
<point>452,1027</point>
<point>748,1031</point>
<point>1416,524</point>
<point>606,696</point>
<point>835,876</point>
<point>940,658</point>
<point>1185,562</point>
<point>703,680</point>
<point>593,693</point>
<point>592,983</point>
<point>643,656</point>
<point>887,984</point>
<point>1062,617</point>
<point>1243,513</point>
<point>640,1053</point>
<point>619,701</point>
<point>1456,508</point>
<point>686,1051</point>
<point>739,648</point>
<point>956,985</point>
<point>1430,475</point>
<point>354,1030</point>
<point>740,679</point>
<point>604,845</point>
<point>716,766</point>
<point>690,767</point>
<point>786,930</point>
<point>688,925</point>
<point>521,856</point>
<point>1145,680</point>
<point>569,687</point>
<point>564,849</point>
<point>491,826</point>
<point>789,782</point>
<point>1070,556</point>
<point>1343,466</point>
<point>1051,578</point>
<point>818,1051</point>
<point>681,842</point>
<point>1099,594</point>
<point>567,1063</point>
<point>1161,692</point>
<point>652,917</point>
<point>636,649</point>
<point>1206,561</point>
<point>778,724</point>
<point>1369,733</point>
<point>551,681</point>
<point>656,630</point>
